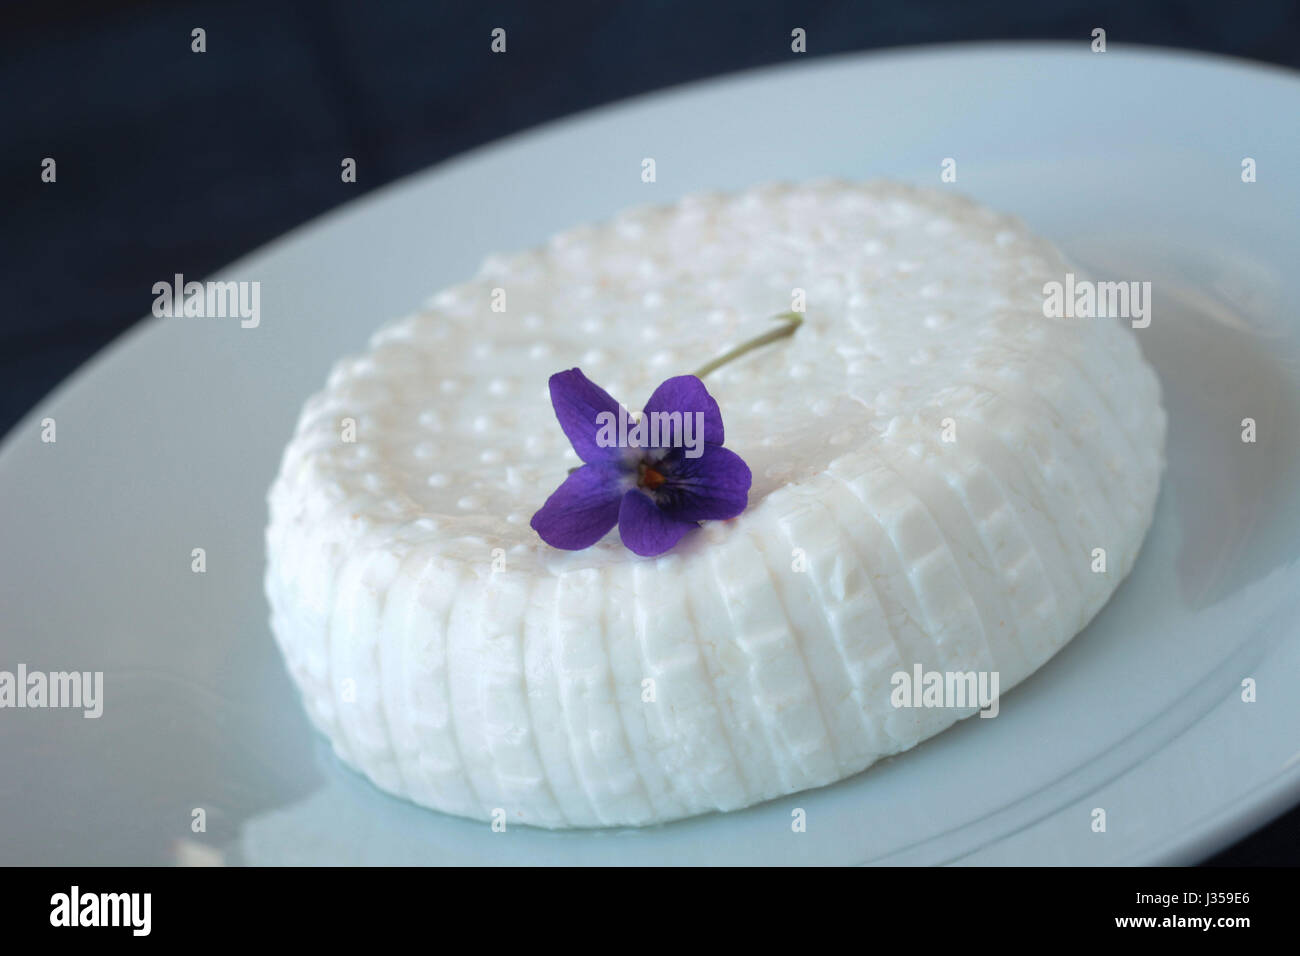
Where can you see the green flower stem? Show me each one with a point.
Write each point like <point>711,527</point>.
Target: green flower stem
<point>791,321</point>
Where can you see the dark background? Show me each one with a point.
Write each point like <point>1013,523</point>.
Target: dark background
<point>171,161</point>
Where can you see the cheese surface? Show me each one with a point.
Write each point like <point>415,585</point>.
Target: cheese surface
<point>935,466</point>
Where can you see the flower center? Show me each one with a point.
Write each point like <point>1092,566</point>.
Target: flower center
<point>647,477</point>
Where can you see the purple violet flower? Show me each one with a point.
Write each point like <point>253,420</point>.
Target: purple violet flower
<point>654,493</point>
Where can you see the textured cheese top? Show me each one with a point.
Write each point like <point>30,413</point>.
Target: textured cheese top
<point>941,457</point>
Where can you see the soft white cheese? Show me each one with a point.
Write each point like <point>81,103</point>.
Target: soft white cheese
<point>458,661</point>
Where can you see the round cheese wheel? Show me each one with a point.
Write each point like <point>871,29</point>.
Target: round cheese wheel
<point>945,481</point>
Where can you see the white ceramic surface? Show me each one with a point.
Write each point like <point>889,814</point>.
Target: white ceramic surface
<point>1130,160</point>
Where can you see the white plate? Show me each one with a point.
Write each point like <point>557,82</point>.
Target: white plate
<point>167,442</point>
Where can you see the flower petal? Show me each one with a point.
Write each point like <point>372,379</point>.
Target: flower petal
<point>645,529</point>
<point>713,486</point>
<point>686,393</point>
<point>577,402</point>
<point>582,510</point>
